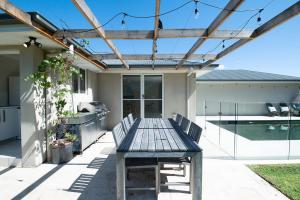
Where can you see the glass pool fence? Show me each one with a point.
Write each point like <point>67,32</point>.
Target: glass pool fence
<point>253,130</point>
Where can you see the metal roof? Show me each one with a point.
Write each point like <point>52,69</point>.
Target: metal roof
<point>244,75</point>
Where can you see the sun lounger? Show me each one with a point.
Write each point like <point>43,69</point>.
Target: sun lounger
<point>271,109</point>
<point>284,109</point>
<point>295,109</point>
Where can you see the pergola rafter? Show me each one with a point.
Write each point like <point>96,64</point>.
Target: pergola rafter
<point>282,17</point>
<point>86,11</point>
<point>225,13</point>
<point>155,32</point>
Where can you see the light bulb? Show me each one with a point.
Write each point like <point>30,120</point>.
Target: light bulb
<point>197,13</point>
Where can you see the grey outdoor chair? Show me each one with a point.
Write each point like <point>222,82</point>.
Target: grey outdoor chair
<point>126,124</point>
<point>184,125</point>
<point>178,118</point>
<point>131,119</point>
<point>136,163</point>
<point>194,132</point>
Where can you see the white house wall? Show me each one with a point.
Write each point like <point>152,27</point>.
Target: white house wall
<point>250,96</point>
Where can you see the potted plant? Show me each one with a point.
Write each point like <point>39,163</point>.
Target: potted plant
<point>54,78</point>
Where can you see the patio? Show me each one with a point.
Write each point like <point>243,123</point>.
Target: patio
<point>92,176</point>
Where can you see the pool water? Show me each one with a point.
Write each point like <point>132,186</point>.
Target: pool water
<point>263,130</point>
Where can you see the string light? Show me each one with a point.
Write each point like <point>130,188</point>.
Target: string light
<point>123,23</point>
<point>259,17</point>
<point>160,24</point>
<point>223,45</point>
<point>196,9</point>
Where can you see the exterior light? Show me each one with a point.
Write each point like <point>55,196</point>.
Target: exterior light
<point>32,40</point>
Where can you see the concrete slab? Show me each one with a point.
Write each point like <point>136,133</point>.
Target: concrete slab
<point>92,176</point>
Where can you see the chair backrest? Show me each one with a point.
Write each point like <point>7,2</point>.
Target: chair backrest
<point>118,134</point>
<point>195,132</point>
<point>184,124</point>
<point>126,125</point>
<point>131,120</point>
<point>178,118</point>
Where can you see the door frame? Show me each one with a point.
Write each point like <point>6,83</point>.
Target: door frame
<point>142,87</point>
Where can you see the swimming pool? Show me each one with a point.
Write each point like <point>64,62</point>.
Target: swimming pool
<point>256,139</point>
<point>263,130</point>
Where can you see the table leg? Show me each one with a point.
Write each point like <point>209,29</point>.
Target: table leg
<point>197,176</point>
<point>120,176</point>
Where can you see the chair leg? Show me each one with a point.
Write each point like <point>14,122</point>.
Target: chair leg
<point>184,169</point>
<point>157,179</point>
<point>191,179</point>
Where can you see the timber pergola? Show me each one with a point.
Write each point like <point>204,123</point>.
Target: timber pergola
<point>212,32</point>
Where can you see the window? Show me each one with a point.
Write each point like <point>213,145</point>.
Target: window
<point>79,82</point>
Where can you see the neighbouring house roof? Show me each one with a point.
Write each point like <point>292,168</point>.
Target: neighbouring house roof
<point>244,75</point>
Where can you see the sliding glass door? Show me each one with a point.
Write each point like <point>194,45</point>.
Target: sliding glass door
<point>152,96</point>
<point>143,95</point>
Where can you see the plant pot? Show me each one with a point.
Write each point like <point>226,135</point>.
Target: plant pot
<point>61,152</point>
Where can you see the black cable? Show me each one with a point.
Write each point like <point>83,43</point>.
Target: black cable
<point>165,13</point>
<point>241,29</point>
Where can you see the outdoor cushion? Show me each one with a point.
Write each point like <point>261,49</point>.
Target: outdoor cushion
<point>272,109</point>
<point>284,109</point>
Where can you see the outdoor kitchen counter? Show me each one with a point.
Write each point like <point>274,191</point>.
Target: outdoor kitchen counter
<point>80,118</point>
<point>154,138</point>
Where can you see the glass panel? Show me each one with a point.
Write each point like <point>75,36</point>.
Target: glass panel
<point>294,133</point>
<point>153,108</point>
<point>227,127</point>
<point>131,87</point>
<point>212,121</point>
<point>132,106</point>
<point>153,87</point>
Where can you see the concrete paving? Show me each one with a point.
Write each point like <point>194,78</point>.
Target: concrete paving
<point>92,176</point>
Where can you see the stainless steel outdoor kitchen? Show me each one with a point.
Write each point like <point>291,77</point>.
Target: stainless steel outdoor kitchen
<point>88,124</point>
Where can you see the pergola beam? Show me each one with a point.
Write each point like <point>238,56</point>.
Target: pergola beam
<point>148,34</point>
<point>149,56</point>
<point>225,13</point>
<point>86,11</point>
<point>155,33</point>
<point>282,17</point>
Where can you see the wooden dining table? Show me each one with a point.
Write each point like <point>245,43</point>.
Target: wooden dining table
<point>158,138</point>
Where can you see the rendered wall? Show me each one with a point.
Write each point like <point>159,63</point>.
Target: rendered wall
<point>257,94</point>
<point>109,92</point>
<point>175,94</point>
<point>33,134</point>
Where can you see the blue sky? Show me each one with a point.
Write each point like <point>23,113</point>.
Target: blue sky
<point>277,51</point>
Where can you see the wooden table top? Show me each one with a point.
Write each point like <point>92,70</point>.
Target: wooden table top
<point>157,135</point>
